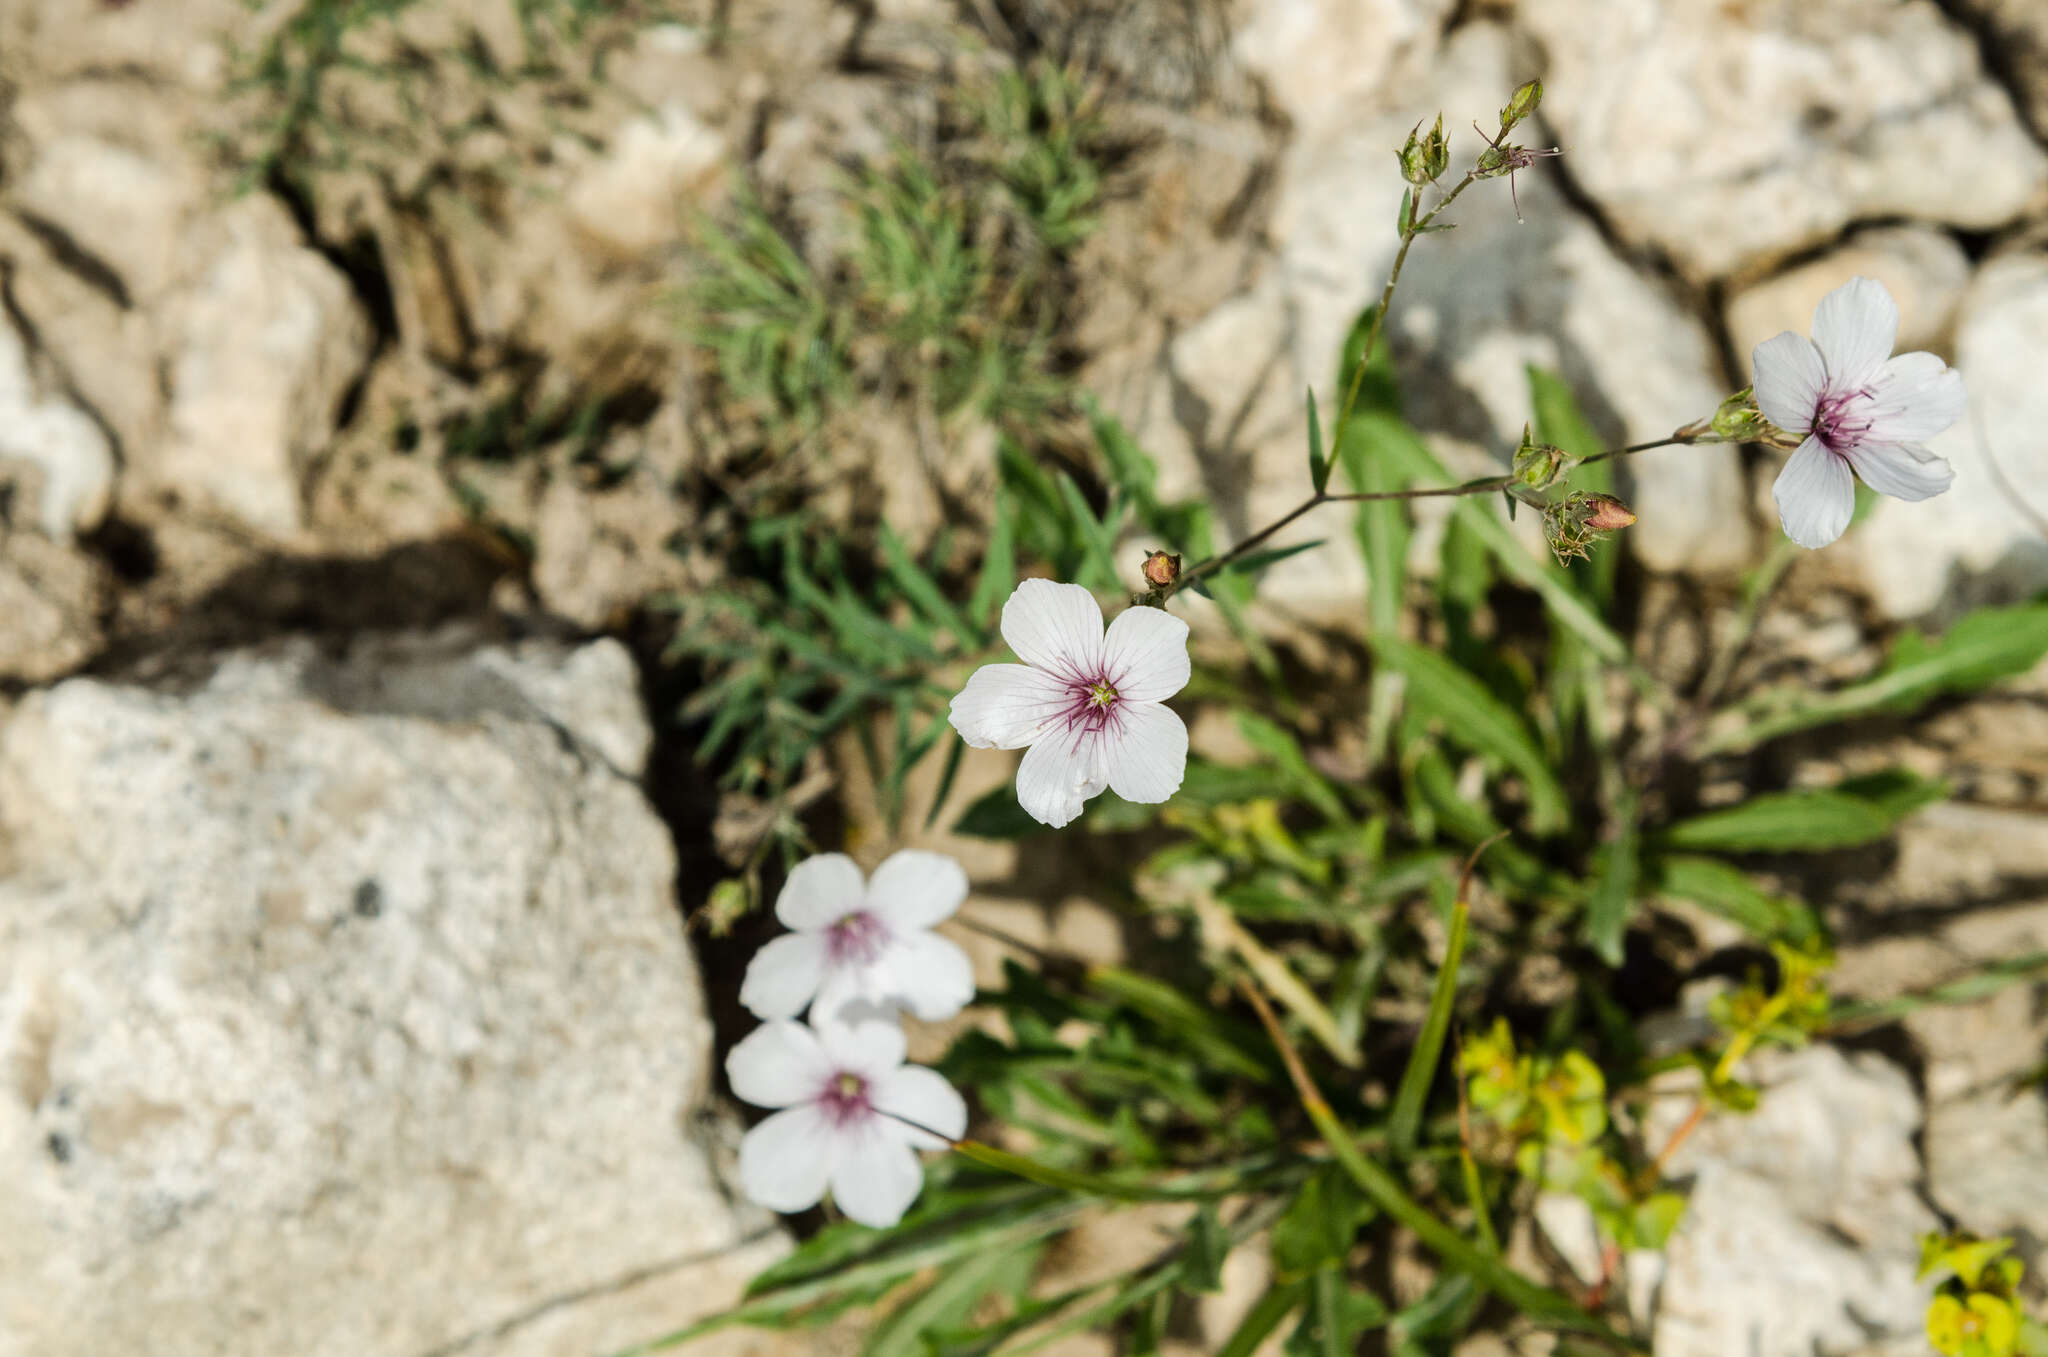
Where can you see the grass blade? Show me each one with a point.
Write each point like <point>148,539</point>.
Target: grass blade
<point>1406,1121</point>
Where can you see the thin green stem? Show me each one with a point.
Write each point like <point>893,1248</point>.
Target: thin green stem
<point>1486,486</point>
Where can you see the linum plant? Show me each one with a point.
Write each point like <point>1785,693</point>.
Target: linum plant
<point>1379,1005</point>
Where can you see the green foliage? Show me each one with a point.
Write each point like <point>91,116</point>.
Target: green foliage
<point>1323,869</point>
<point>946,289</point>
<point>1976,1310</point>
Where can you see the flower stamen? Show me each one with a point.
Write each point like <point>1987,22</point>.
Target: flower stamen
<point>856,939</point>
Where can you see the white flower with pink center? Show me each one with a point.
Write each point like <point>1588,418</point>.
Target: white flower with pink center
<point>855,942</point>
<point>1859,409</point>
<point>1086,702</point>
<point>852,1117</point>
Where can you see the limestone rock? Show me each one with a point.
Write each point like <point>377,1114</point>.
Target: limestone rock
<point>345,1007</point>
<point>1801,1231</point>
<point>40,431</point>
<point>1729,136</point>
<point>1981,542</point>
<point>51,599</point>
<point>1316,58</point>
<point>2018,31</point>
<point>263,345</point>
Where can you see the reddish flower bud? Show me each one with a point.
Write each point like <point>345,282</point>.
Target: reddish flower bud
<point>1161,569</point>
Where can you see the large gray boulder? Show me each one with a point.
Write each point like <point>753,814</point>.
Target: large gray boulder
<point>345,1008</point>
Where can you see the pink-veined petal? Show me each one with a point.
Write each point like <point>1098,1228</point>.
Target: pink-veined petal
<point>916,889</point>
<point>1148,756</point>
<point>1007,706</point>
<point>1902,470</point>
<point>878,1175</point>
<point>786,1161</point>
<point>929,975</point>
<point>869,1048</point>
<point>784,975</point>
<point>1790,378</point>
<point>1912,398</point>
<point>1816,495</point>
<point>1055,627</point>
<point>922,1096</point>
<point>1145,654</point>
<point>778,1064</point>
<point>1854,327</point>
<point>820,889</point>
<point>1059,774</point>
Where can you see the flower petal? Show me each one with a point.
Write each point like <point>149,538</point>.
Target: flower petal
<point>870,1048</point>
<point>848,993</point>
<point>1816,495</point>
<point>1790,378</point>
<point>786,1161</point>
<point>922,1096</point>
<point>1901,470</point>
<point>820,889</point>
<point>1059,774</point>
<point>1913,397</point>
<point>784,975</point>
<point>1150,754</point>
<point>1007,706</point>
<point>1145,654</point>
<point>1056,627</point>
<point>878,1176</point>
<point>915,889</point>
<point>929,975</point>
<point>1854,327</point>
<point>777,1064</point>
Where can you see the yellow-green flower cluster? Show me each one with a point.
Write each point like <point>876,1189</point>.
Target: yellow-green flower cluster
<point>1976,1310</point>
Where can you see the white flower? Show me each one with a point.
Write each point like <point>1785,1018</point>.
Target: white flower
<point>1086,702</point>
<point>867,942</point>
<point>1859,409</point>
<point>842,1088</point>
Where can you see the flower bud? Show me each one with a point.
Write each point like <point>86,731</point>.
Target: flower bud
<point>1414,164</point>
<point>1738,420</point>
<point>1537,464</point>
<point>1521,104</point>
<point>1436,150</point>
<point>1605,513</point>
<point>1161,569</point>
<point>1573,524</point>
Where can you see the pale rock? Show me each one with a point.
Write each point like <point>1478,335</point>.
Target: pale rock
<point>182,43</point>
<point>656,171</point>
<point>111,169</point>
<point>1474,307</point>
<point>264,343</point>
<point>1318,58</point>
<point>1924,270</point>
<point>1729,136</point>
<point>1987,1160</point>
<point>52,597</point>
<point>1800,1233</point>
<point>345,1007</point>
<point>2018,31</point>
<point>67,450</point>
<point>1980,542</point>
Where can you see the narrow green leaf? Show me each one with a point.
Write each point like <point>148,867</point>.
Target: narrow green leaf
<point>1785,822</point>
<point>944,1304</point>
<point>1614,895</point>
<point>1270,1311</point>
<point>996,814</point>
<point>998,567</point>
<point>1088,1184</point>
<point>1721,888</point>
<point>1318,463</point>
<point>1477,720</point>
<point>1222,1043</point>
<point>1096,536</point>
<point>1319,1225</point>
<point>1983,648</point>
<point>1407,214</point>
<point>1247,566</point>
<point>1406,1121</point>
<point>954,752</point>
<point>921,589</point>
<point>1207,1250</point>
